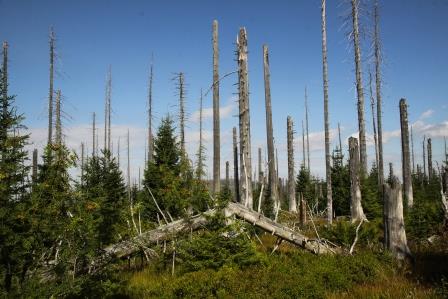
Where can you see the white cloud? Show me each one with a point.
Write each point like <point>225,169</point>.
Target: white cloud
<point>207,113</point>
<point>426,114</point>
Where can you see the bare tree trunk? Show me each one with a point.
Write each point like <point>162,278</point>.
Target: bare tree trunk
<point>326,115</point>
<point>5,85</point>
<point>235,167</point>
<point>412,151</point>
<point>272,177</point>
<point>150,137</point>
<point>303,147</point>
<point>58,125</point>
<point>34,170</point>
<point>109,106</point>
<point>372,104</point>
<point>50,93</point>
<point>291,176</point>
<point>93,136</point>
<point>216,124</point>
<point>82,162</point>
<point>307,130</point>
<point>244,118</point>
<point>181,90</point>
<point>406,157</point>
<point>424,155</point>
<point>430,169</point>
<point>357,213</point>
<point>118,152</point>
<point>200,166</point>
<point>131,203</point>
<point>227,174</point>
<point>302,209</point>
<point>340,140</point>
<point>359,88</point>
<point>396,235</point>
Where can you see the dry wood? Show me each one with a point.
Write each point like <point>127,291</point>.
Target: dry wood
<point>307,130</point>
<point>326,115</point>
<point>235,167</point>
<point>406,158</point>
<point>93,135</point>
<point>50,93</point>
<point>430,169</point>
<point>216,123</point>
<point>58,125</point>
<point>357,213</point>
<point>34,170</point>
<point>291,176</point>
<point>150,137</point>
<point>302,209</point>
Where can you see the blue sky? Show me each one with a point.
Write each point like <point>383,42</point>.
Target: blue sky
<point>91,35</point>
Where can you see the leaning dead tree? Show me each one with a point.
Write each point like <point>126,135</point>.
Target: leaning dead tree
<point>430,169</point>
<point>216,125</point>
<point>357,213</point>
<point>405,154</point>
<point>235,167</point>
<point>394,233</point>
<point>50,93</point>
<point>326,116</point>
<point>379,115</point>
<point>359,87</point>
<point>272,177</point>
<point>291,176</point>
<point>244,121</point>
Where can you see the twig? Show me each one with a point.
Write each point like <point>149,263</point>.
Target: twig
<point>163,215</point>
<point>356,237</point>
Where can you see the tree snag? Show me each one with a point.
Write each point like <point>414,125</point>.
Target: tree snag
<point>405,154</point>
<point>357,213</point>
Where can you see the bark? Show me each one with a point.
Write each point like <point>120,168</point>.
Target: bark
<point>235,167</point>
<point>326,115</point>
<point>50,93</point>
<point>150,136</point>
<point>291,176</point>
<point>424,155</point>
<point>244,121</point>
<point>359,88</point>
<point>340,140</point>
<point>5,85</point>
<point>181,89</point>
<point>379,115</point>
<point>34,170</point>
<point>58,125</point>
<point>216,123</point>
<point>109,107</point>
<point>93,136</point>
<point>303,146</point>
<point>302,210</point>
<point>372,105</point>
<point>307,130</point>
<point>200,165</point>
<point>82,161</point>
<point>357,213</point>
<point>430,169</point>
<point>272,177</point>
<point>406,157</point>
<point>260,167</point>
<point>396,234</point>
<point>412,151</point>
<point>227,175</point>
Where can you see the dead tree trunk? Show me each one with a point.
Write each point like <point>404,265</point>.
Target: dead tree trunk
<point>93,136</point>
<point>357,213</point>
<point>359,88</point>
<point>430,169</point>
<point>412,151</point>
<point>405,154</point>
<point>5,85</point>
<point>227,174</point>
<point>302,209</point>
<point>307,130</point>
<point>260,167</point>
<point>326,115</point>
<point>58,125</point>
<point>34,170</point>
<point>181,90</point>
<point>424,156</point>
<point>82,162</point>
<point>216,124</point>
<point>303,147</point>
<point>291,176</point>
<point>396,234</point>
<point>235,167</point>
<point>200,155</point>
<point>50,93</point>
<point>150,139</point>
<point>372,104</point>
<point>244,119</point>
<point>272,177</point>
<point>109,107</point>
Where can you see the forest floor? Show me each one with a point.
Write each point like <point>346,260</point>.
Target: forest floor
<point>292,273</point>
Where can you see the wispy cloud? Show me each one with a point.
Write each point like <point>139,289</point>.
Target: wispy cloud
<point>207,113</point>
<point>426,114</point>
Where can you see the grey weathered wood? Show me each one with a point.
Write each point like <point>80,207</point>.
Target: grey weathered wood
<point>244,121</point>
<point>272,177</point>
<point>235,167</point>
<point>412,151</point>
<point>326,115</point>
<point>227,174</point>
<point>50,93</point>
<point>5,82</point>
<point>150,154</point>
<point>260,167</point>
<point>302,209</point>
<point>372,106</point>
<point>396,235</point>
<point>216,123</point>
<point>424,155</point>
<point>359,87</point>
<point>93,135</point>
<point>181,90</point>
<point>303,146</point>
<point>291,176</point>
<point>200,154</point>
<point>307,130</point>
<point>357,213</point>
<point>58,124</point>
<point>34,169</point>
<point>430,169</point>
<point>405,154</point>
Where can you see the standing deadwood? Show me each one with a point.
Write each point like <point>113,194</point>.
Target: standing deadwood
<point>430,169</point>
<point>34,170</point>
<point>272,177</point>
<point>326,116</point>
<point>260,169</point>
<point>291,177</point>
<point>200,155</point>
<point>227,174</point>
<point>118,152</point>
<point>276,167</point>
<point>93,135</point>
<point>216,124</point>
<point>5,83</point>
<point>302,209</point>
<point>181,89</point>
<point>109,105</point>
<point>372,105</point>
<point>446,153</point>
<point>82,161</point>
<point>339,135</point>
<point>131,203</point>
<point>58,125</point>
<point>244,121</point>
<point>391,171</point>
<point>396,234</point>
<point>50,93</point>
<point>307,130</point>
<point>405,154</point>
<point>357,213</point>
<point>379,115</point>
<point>412,150</point>
<point>359,88</point>
<point>235,167</point>
<point>303,146</point>
<point>150,139</point>
<point>424,155</point>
